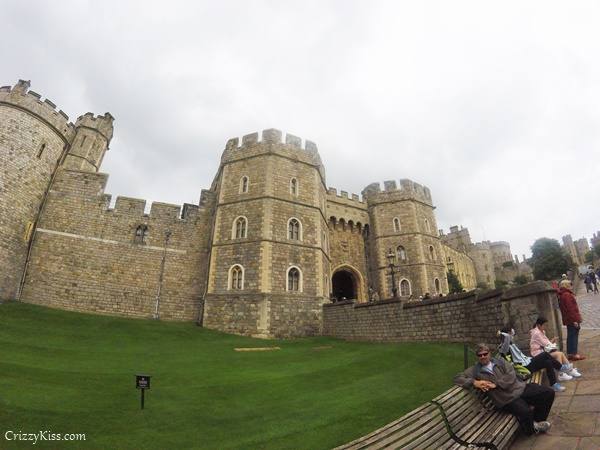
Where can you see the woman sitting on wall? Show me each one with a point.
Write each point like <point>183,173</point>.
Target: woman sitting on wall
<point>540,343</point>
<point>533,364</point>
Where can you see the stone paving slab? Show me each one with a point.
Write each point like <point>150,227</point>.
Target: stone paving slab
<point>588,387</point>
<point>575,415</point>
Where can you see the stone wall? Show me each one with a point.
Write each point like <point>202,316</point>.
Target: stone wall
<point>462,265</point>
<point>467,317</point>
<point>84,255</point>
<point>264,315</point>
<point>33,137</point>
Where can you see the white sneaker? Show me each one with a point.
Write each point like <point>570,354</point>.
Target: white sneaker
<point>558,387</point>
<point>564,376</point>
<point>574,373</point>
<point>541,427</point>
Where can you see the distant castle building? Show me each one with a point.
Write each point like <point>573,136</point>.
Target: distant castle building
<point>576,249</point>
<point>266,246</point>
<point>492,261</point>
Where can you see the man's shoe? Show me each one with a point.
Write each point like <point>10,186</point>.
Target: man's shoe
<point>563,376</point>
<point>541,427</point>
<point>558,387</point>
<point>574,373</point>
<point>578,357</point>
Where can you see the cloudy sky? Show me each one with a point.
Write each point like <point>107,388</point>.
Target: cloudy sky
<point>493,105</point>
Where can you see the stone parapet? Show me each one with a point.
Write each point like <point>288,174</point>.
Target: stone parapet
<point>22,98</point>
<point>467,317</point>
<point>408,190</point>
<point>271,142</point>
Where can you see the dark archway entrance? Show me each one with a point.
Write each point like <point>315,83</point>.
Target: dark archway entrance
<point>344,285</point>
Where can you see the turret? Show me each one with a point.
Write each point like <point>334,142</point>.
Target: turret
<point>93,135</point>
<point>269,240</point>
<point>403,223</point>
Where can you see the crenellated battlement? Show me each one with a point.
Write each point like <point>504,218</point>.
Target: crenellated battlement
<point>91,185</point>
<point>103,124</point>
<point>345,197</point>
<point>273,136</point>
<point>408,190</point>
<point>22,98</point>
<point>271,141</point>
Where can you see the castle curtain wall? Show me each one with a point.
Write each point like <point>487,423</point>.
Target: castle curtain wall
<point>85,257</point>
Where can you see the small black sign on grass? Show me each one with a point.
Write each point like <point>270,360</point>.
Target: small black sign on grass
<point>142,382</point>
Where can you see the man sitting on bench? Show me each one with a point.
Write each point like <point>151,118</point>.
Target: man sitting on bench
<point>497,378</point>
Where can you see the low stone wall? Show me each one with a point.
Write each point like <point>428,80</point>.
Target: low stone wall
<point>466,317</point>
<point>264,315</point>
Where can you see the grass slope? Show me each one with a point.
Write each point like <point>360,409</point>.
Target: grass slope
<point>74,373</point>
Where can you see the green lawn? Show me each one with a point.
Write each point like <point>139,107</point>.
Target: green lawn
<point>74,373</point>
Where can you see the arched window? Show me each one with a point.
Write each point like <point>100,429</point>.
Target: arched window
<point>244,182</point>
<point>236,278</point>
<point>437,286</point>
<point>431,253</point>
<point>396,224</point>
<point>427,227</point>
<point>404,288</point>
<point>294,279</point>
<point>294,229</point>
<point>240,226</point>
<point>141,233</point>
<point>401,254</point>
<point>294,186</point>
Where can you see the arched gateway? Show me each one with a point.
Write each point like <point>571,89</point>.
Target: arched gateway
<point>346,283</point>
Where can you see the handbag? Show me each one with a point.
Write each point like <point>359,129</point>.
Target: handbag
<point>551,347</point>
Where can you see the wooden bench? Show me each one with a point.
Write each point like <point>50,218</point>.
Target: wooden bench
<point>471,418</point>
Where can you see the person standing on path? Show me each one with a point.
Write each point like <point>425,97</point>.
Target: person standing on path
<point>571,319</point>
<point>588,282</point>
<point>594,281</point>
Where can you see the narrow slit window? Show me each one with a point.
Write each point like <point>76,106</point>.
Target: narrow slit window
<point>244,182</point>
<point>141,234</point>
<point>41,150</point>
<point>294,186</point>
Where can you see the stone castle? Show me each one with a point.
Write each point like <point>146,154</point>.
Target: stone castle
<point>265,248</point>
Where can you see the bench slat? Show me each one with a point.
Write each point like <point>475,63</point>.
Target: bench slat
<point>471,416</point>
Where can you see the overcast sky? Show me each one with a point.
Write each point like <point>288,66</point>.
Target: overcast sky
<point>493,105</point>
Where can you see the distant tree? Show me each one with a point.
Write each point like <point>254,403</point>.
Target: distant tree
<point>597,250</point>
<point>500,284</point>
<point>549,259</point>
<point>520,280</point>
<point>588,258</point>
<point>454,284</point>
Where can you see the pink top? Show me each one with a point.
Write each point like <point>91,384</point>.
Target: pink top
<point>538,341</point>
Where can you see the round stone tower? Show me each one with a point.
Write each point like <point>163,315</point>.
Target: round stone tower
<point>269,264</point>
<point>35,139</point>
<point>403,224</point>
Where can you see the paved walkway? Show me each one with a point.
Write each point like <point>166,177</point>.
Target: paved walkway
<point>575,414</point>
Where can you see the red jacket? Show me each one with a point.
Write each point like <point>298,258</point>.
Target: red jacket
<point>568,307</point>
